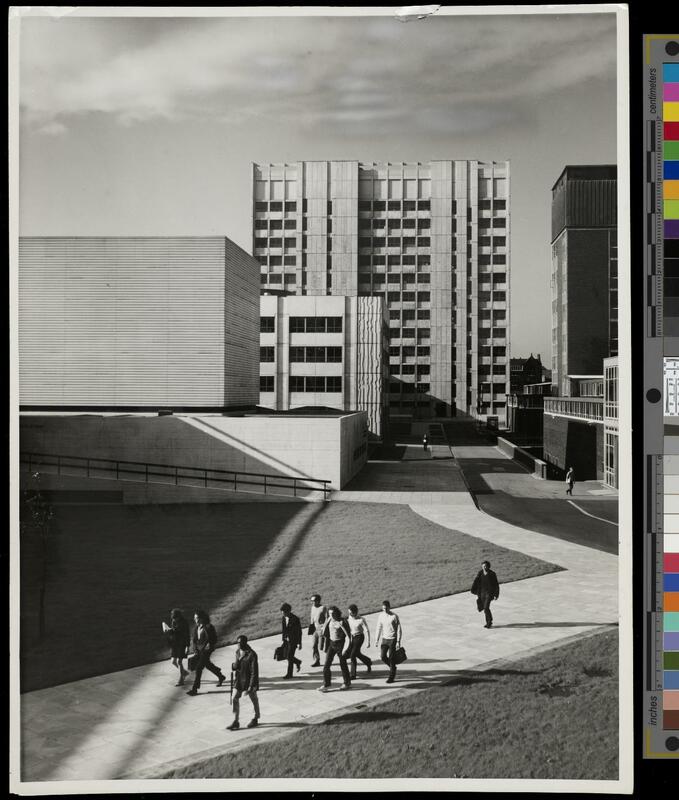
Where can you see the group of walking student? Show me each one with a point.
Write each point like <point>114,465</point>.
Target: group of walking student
<point>332,635</point>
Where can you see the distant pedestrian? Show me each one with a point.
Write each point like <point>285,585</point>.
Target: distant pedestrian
<point>337,636</point>
<point>570,480</point>
<point>359,633</point>
<point>246,681</point>
<point>291,630</point>
<point>179,638</point>
<point>204,643</point>
<point>486,588</point>
<point>389,630</point>
<point>317,620</point>
<point>425,442</point>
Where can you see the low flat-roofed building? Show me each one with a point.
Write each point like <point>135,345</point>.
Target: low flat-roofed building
<point>324,351</point>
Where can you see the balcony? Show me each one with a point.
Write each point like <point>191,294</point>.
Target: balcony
<point>590,408</point>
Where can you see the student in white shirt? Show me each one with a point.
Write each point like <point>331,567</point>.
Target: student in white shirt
<point>317,618</point>
<point>336,633</point>
<point>389,630</point>
<point>359,632</point>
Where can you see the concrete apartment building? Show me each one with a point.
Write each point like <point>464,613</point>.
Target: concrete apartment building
<point>430,238</point>
<point>326,351</point>
<point>137,323</point>
<point>584,272</point>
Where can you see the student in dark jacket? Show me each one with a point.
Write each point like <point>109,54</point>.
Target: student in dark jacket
<point>246,681</point>
<point>291,630</point>
<point>204,643</point>
<point>179,638</point>
<point>486,588</point>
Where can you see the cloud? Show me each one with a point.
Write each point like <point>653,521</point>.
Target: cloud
<point>358,73</point>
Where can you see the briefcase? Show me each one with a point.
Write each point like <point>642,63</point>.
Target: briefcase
<point>400,655</point>
<point>281,652</point>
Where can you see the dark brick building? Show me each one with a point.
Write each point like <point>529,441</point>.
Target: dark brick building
<point>584,272</point>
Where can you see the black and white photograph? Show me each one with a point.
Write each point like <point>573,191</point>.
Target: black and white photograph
<point>320,354</point>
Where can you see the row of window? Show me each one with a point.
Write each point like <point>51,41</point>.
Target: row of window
<point>409,314</point>
<point>276,205</point>
<point>408,388</point>
<point>367,223</point>
<point>409,351</point>
<point>409,369</point>
<point>275,224</point>
<point>408,333</point>
<point>421,261</point>
<point>304,324</point>
<point>304,383</point>
<point>316,355</point>
<point>394,205</point>
<point>278,261</point>
<point>394,241</point>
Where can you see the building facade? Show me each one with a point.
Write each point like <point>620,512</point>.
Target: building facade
<point>137,323</point>
<point>430,239</point>
<point>584,272</point>
<point>611,458</point>
<point>324,351</point>
<point>524,371</point>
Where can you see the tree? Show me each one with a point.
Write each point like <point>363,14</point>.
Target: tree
<point>39,522</point>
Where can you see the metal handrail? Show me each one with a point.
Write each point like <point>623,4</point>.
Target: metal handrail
<point>174,472</point>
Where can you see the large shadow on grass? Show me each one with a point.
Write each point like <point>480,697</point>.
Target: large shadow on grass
<point>197,572</point>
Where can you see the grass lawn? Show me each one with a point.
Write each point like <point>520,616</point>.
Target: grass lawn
<point>116,571</point>
<point>554,715</point>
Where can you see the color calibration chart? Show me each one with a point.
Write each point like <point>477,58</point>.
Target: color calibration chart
<point>661,385</point>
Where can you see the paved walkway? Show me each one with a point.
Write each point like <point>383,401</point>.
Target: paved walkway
<point>106,727</point>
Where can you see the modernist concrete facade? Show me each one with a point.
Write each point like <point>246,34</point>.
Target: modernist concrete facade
<point>324,351</point>
<point>584,272</point>
<point>430,238</point>
<point>137,323</point>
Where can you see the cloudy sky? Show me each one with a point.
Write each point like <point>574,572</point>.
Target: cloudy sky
<point>147,126</point>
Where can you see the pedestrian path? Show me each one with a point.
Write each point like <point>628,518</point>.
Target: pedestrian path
<point>106,727</point>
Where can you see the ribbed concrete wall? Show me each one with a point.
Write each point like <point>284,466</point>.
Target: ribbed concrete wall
<point>137,322</point>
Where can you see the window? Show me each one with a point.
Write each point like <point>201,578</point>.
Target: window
<point>290,206</point>
<point>423,333</point>
<point>263,279</point>
<point>260,242</point>
<point>333,354</point>
<point>276,224</point>
<point>266,354</point>
<point>273,278</point>
<point>296,324</point>
<point>393,297</point>
<point>424,297</point>
<point>364,241</point>
<point>275,261</point>
<point>333,383</point>
<point>423,313</point>
<point>379,205</point>
<point>290,241</point>
<point>423,241</point>
<point>408,223</point>
<point>407,369</point>
<point>394,351</point>
<point>409,205</point>
<point>276,241</point>
<point>408,333</point>
<point>296,383</point>
<point>408,314</point>
<point>315,324</point>
<point>499,296</point>
<point>379,224</point>
<point>364,205</point>
<point>296,354</point>
<point>409,241</point>
<point>261,206</point>
<point>423,369</point>
<point>423,388</point>
<point>499,222</point>
<point>315,383</point>
<point>408,297</point>
<point>379,241</point>
<point>290,261</point>
<point>315,355</point>
<point>395,314</point>
<point>423,223</point>
<point>423,277</point>
<point>408,261</point>
<point>423,352</point>
<point>260,224</point>
<point>500,203</point>
<point>423,205</point>
<point>266,383</point>
<point>408,351</point>
<point>275,206</point>
<point>334,325</point>
<point>267,324</point>
<point>499,241</point>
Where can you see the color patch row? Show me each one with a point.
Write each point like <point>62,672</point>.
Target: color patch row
<point>670,115</point>
<point>670,586</point>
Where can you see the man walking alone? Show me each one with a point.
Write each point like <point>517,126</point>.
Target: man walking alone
<point>246,681</point>
<point>486,588</point>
